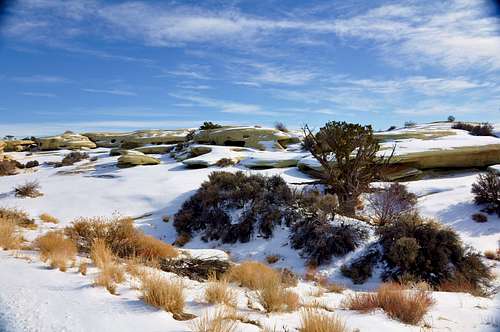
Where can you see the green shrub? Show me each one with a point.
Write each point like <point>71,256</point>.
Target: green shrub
<point>361,268</point>
<point>209,125</point>
<point>484,129</point>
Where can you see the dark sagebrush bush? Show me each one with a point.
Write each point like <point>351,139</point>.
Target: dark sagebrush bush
<point>479,217</point>
<point>28,189</point>
<point>360,269</point>
<point>483,129</point>
<point>315,231</point>
<point>451,118</point>
<point>233,206</point>
<point>8,167</point>
<point>388,204</point>
<point>486,192</point>
<point>72,158</point>
<point>425,250</point>
<point>391,128</point>
<point>209,125</point>
<point>281,127</point>
<point>410,124</point>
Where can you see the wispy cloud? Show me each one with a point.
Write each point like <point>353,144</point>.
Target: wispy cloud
<point>112,92</point>
<point>38,94</point>
<point>41,79</point>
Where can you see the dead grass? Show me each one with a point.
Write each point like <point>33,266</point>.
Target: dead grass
<point>406,306</point>
<point>28,189</point>
<point>252,274</point>
<point>217,321</point>
<point>220,292</point>
<point>314,321</point>
<point>460,285</point>
<point>7,167</point>
<point>47,218</point>
<point>56,249</point>
<point>271,259</point>
<point>19,217</point>
<point>9,235</point>
<point>122,238</point>
<point>274,297</point>
<point>491,254</point>
<point>82,268</point>
<point>111,273</point>
<point>163,294</point>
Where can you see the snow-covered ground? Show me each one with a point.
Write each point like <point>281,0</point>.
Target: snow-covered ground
<point>34,298</point>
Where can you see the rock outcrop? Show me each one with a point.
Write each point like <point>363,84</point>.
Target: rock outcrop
<point>131,158</point>
<point>250,137</point>
<point>68,140</point>
<point>2,146</point>
<point>137,138</point>
<point>18,145</point>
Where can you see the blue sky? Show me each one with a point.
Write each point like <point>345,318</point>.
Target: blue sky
<point>91,65</point>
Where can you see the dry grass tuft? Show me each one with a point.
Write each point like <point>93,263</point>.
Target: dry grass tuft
<point>29,189</point>
<point>19,217</point>
<point>45,217</point>
<point>271,259</point>
<point>218,321</point>
<point>252,274</point>
<point>314,321</point>
<point>274,297</point>
<point>122,238</point>
<point>56,249</point>
<point>111,272</point>
<point>460,285</point>
<point>490,254</point>
<point>9,235</point>
<point>82,268</point>
<point>406,306</point>
<point>219,292</point>
<point>163,294</point>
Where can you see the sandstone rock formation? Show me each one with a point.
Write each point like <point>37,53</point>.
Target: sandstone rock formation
<point>137,138</point>
<point>130,158</point>
<point>68,140</point>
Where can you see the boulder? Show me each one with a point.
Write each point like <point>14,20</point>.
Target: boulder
<point>135,158</point>
<point>137,138</point>
<point>68,140</point>
<point>155,149</point>
<point>250,137</point>
<point>18,145</point>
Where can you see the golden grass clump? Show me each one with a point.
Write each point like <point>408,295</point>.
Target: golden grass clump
<point>406,306</point>
<point>491,254</point>
<point>220,292</point>
<point>47,218</point>
<point>274,297</point>
<point>82,268</point>
<point>120,235</point>
<point>163,294</point>
<point>314,321</point>
<point>460,285</point>
<point>111,273</point>
<point>252,274</point>
<point>218,321</point>
<point>56,249</point>
<point>9,235</point>
<point>19,217</point>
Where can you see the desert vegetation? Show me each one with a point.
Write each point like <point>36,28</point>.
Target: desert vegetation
<point>162,293</point>
<point>281,127</point>
<point>56,249</point>
<point>8,167</point>
<point>218,291</point>
<point>224,162</point>
<point>483,129</point>
<point>28,189</point>
<point>47,218</point>
<point>314,321</point>
<point>407,306</point>
<point>72,158</point>
<point>10,237</point>
<point>111,273</point>
<point>486,192</point>
<point>18,217</point>
<point>209,125</point>
<point>390,202</point>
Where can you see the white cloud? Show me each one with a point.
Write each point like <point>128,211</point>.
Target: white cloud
<point>40,79</point>
<point>38,94</point>
<point>111,92</point>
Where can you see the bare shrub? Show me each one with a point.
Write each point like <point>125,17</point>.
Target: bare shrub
<point>163,294</point>
<point>45,217</point>
<point>56,249</point>
<point>224,162</point>
<point>72,158</point>
<point>217,321</point>
<point>486,192</point>
<point>252,274</point>
<point>391,202</point>
<point>406,306</point>
<point>281,127</point>
<point>120,235</point>
<point>274,297</point>
<point>271,259</point>
<point>314,321</point>
<point>8,167</point>
<point>9,235</point>
<point>28,189</point>
<point>348,155</point>
<point>219,292</point>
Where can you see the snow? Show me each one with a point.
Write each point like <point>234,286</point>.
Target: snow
<point>35,298</point>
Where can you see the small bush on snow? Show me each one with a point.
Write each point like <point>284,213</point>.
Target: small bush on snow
<point>486,192</point>
<point>388,204</point>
